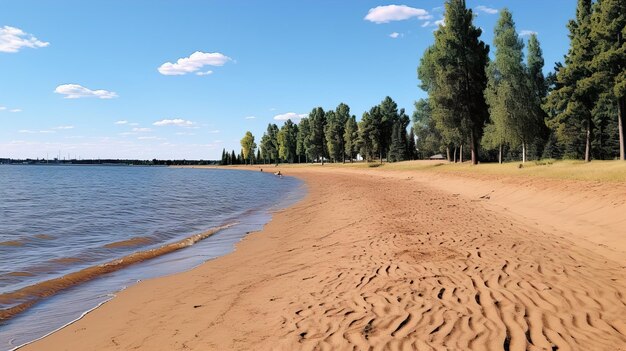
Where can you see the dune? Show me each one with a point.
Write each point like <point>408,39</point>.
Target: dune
<point>376,259</point>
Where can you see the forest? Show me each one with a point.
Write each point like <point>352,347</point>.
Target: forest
<point>480,108</point>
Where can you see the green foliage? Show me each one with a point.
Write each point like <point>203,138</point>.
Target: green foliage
<point>247,147</point>
<point>453,71</point>
<point>317,145</point>
<point>513,93</point>
<point>429,141</point>
<point>287,141</point>
<point>351,138</point>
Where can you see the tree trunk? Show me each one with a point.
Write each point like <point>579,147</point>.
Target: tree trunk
<point>454,157</point>
<point>523,152</point>
<point>448,152</point>
<point>474,149</point>
<point>500,154</point>
<point>381,157</point>
<point>621,109</point>
<point>588,141</point>
<point>461,153</point>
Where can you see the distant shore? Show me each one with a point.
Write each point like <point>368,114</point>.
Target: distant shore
<point>394,258</point>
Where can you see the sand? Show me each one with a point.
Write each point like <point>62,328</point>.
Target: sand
<point>374,259</point>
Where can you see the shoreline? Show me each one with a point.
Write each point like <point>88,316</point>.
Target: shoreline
<point>273,281</point>
<point>137,266</point>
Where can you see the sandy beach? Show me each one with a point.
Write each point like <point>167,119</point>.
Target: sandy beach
<point>399,260</point>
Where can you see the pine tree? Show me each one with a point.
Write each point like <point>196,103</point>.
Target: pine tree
<point>457,77</point>
<point>515,109</point>
<point>303,144</point>
<point>608,33</point>
<point>411,148</point>
<point>572,101</point>
<point>317,120</point>
<point>350,137</point>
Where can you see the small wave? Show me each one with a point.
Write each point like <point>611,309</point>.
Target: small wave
<point>140,240</point>
<point>20,274</point>
<point>20,300</point>
<point>66,260</point>
<point>12,243</point>
<point>44,237</point>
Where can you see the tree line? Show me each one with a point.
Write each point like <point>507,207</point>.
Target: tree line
<point>490,109</point>
<point>332,136</point>
<point>506,107</point>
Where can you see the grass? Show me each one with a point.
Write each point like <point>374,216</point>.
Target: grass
<point>611,171</point>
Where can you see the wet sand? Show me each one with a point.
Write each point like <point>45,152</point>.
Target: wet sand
<point>395,260</point>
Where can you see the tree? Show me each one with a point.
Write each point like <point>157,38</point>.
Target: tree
<point>411,148</point>
<point>456,77</point>
<point>303,143</point>
<point>269,143</point>
<point>608,33</point>
<point>317,125</point>
<point>514,107</point>
<point>233,158</point>
<point>428,138</point>
<point>224,160</point>
<point>365,143</point>
<point>247,147</point>
<point>350,137</point>
<point>287,141</point>
<point>334,140</point>
<point>575,94</point>
<point>334,132</point>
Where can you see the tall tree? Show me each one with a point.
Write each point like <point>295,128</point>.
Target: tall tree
<point>303,143</point>
<point>411,147</point>
<point>609,64</point>
<point>458,77</point>
<point>317,120</point>
<point>575,94</point>
<point>247,147</point>
<point>333,133</point>
<point>350,137</point>
<point>287,141</point>
<point>366,131</point>
<point>514,108</point>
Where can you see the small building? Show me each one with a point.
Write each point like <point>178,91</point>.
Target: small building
<point>438,157</point>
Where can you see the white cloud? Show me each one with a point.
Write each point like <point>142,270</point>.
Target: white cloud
<point>149,138</point>
<point>13,39</point>
<point>204,73</point>
<point>141,130</point>
<point>28,131</point>
<point>441,22</point>
<point>386,14</point>
<point>75,91</point>
<point>395,35</point>
<point>15,110</point>
<point>2,108</point>
<point>527,33</point>
<point>121,122</point>
<point>133,124</point>
<point>173,122</point>
<point>193,63</point>
<point>213,131</point>
<point>289,115</point>
<point>63,127</point>
<point>184,133</point>
<point>487,10</point>
<point>250,117</point>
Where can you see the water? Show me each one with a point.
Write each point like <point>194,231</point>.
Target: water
<point>66,220</point>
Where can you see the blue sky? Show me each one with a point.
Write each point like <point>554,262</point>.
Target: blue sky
<point>91,79</point>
